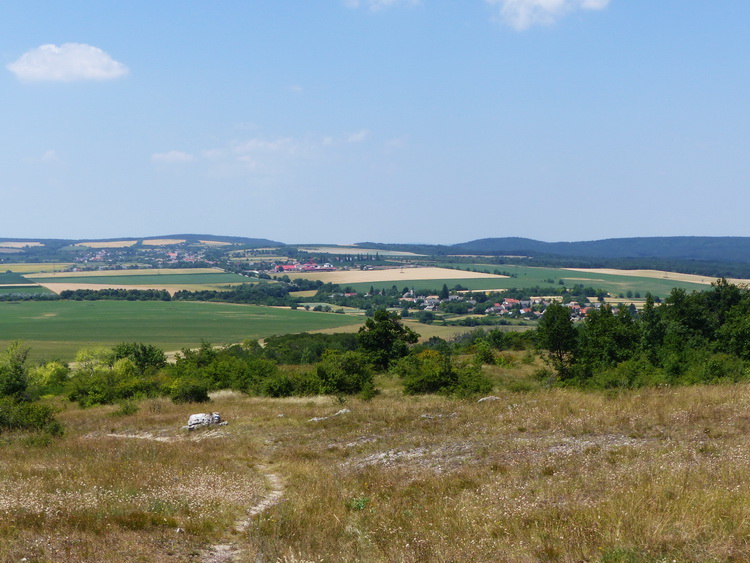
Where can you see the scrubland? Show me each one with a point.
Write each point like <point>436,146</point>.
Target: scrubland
<point>534,474</point>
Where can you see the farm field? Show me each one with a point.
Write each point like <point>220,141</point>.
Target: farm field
<point>613,281</point>
<point>24,289</point>
<point>353,250</point>
<point>390,275</point>
<point>58,329</point>
<point>538,475</point>
<point>171,280</point>
<point>34,267</point>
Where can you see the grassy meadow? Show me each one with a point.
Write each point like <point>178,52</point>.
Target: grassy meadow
<point>57,329</point>
<point>534,475</point>
<point>528,276</point>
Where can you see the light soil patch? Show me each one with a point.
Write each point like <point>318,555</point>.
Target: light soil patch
<point>107,244</point>
<point>162,241</point>
<point>24,268</point>
<point>19,244</point>
<point>134,272</point>
<point>348,250</point>
<point>656,274</point>
<point>392,274</point>
<point>215,242</point>
<point>172,289</point>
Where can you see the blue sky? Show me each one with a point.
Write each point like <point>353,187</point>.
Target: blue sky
<point>339,121</point>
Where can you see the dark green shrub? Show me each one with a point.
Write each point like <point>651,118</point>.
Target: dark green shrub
<point>189,391</point>
<point>344,373</point>
<point>28,416</point>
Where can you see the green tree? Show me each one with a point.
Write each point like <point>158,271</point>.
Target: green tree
<point>558,337</point>
<point>14,373</point>
<point>444,293</point>
<point>384,338</point>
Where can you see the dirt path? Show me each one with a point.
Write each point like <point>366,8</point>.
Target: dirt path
<point>231,552</point>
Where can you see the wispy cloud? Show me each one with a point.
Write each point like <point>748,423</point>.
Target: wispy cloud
<point>50,156</point>
<point>359,136</point>
<point>523,14</point>
<point>375,5</point>
<point>66,63</point>
<point>171,157</point>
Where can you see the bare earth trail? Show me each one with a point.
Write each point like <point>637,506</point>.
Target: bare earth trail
<point>231,550</point>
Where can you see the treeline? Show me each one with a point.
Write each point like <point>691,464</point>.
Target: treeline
<point>112,294</point>
<point>699,337</point>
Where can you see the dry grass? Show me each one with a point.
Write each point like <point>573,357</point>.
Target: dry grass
<point>171,288</point>
<point>353,250</point>
<point>135,272</point>
<point>107,244</point>
<point>391,274</point>
<point>541,475</point>
<point>26,268</point>
<point>19,244</point>
<point>657,274</point>
<point>215,242</point>
<point>162,241</point>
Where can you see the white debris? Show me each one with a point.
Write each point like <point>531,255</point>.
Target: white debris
<point>204,419</point>
<point>490,398</point>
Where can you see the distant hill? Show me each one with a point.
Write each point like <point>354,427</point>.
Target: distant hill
<point>702,249</point>
<point>713,249</point>
<point>189,238</point>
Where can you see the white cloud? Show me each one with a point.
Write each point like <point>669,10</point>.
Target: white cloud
<point>523,14</point>
<point>256,145</point>
<point>67,63</point>
<point>359,136</point>
<point>50,156</point>
<point>375,5</point>
<point>171,157</point>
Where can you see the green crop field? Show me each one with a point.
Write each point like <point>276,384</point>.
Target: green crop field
<point>34,267</point>
<point>148,279</point>
<point>25,289</point>
<point>527,276</point>
<point>57,329</point>
<point>8,278</point>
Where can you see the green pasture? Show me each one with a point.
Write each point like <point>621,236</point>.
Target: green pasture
<point>57,329</point>
<point>25,289</point>
<point>150,279</point>
<point>33,267</point>
<point>528,276</point>
<point>7,278</point>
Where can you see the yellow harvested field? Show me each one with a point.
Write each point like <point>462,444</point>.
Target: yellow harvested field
<point>19,244</point>
<point>162,241</point>
<point>215,242</point>
<point>150,272</point>
<point>355,250</point>
<point>658,274</point>
<point>107,244</point>
<point>172,289</point>
<point>391,274</point>
<point>27,268</point>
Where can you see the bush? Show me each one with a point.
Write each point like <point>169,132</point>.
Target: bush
<point>432,372</point>
<point>344,373</point>
<point>189,391</point>
<point>28,416</point>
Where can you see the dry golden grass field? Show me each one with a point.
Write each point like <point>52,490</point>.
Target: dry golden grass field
<point>19,244</point>
<point>135,272</point>
<point>656,274</point>
<point>342,250</point>
<point>533,475</point>
<point>162,241</point>
<point>33,268</point>
<point>395,275</point>
<point>107,244</point>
